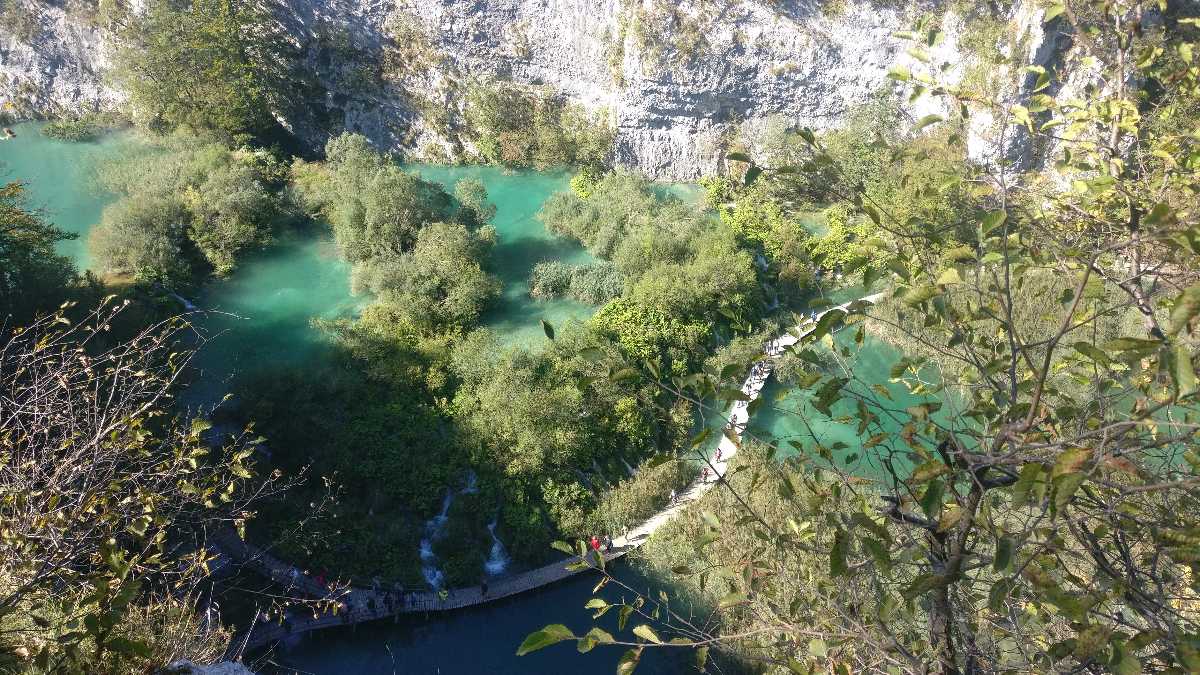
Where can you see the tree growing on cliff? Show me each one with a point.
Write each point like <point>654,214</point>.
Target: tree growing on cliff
<point>213,66</point>
<point>1048,516</point>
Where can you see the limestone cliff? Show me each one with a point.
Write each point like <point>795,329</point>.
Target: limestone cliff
<point>680,81</point>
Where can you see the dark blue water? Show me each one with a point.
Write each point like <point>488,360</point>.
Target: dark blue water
<point>478,641</point>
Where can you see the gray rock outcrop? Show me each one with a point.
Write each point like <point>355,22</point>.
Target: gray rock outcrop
<point>680,81</point>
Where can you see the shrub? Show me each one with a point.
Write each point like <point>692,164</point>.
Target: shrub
<point>142,237</point>
<point>596,283</point>
<point>636,499</point>
<point>551,279</point>
<point>591,284</point>
<point>77,130</point>
<point>519,128</point>
<point>187,208</point>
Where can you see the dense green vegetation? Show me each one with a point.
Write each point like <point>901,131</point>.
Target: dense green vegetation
<point>35,277</point>
<point>213,66</point>
<point>522,128</point>
<point>415,397</point>
<point>1040,514</point>
<point>187,209</point>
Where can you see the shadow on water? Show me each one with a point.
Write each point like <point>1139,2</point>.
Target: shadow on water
<point>479,640</point>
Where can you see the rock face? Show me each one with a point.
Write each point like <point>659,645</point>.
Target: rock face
<point>680,81</point>
<point>52,63</point>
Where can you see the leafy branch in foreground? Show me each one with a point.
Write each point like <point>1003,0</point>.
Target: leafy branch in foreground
<point>105,498</point>
<point>1022,490</point>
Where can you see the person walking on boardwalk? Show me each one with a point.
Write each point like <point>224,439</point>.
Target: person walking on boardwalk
<point>674,496</point>
<point>595,543</point>
<point>443,594</point>
<point>607,544</point>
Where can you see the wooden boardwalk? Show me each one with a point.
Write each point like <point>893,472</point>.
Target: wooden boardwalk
<point>353,605</point>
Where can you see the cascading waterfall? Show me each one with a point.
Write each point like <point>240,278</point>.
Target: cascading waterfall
<point>435,529</point>
<point>187,304</point>
<point>498,558</point>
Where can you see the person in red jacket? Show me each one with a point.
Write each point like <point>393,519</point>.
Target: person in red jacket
<point>595,543</point>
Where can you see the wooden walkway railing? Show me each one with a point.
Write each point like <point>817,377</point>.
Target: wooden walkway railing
<point>358,605</point>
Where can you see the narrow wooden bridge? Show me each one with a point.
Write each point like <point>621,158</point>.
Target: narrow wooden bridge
<point>354,605</point>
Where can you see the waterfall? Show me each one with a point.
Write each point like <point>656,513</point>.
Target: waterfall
<point>434,529</point>
<point>187,304</point>
<point>498,559</point>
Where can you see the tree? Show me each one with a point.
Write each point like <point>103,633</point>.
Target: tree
<point>474,210</point>
<point>440,282</point>
<point>1048,520</point>
<point>376,209</point>
<point>34,275</point>
<point>220,66</point>
<point>187,209</point>
<point>104,495</point>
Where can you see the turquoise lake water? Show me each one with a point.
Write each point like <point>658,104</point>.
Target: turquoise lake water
<point>262,315</point>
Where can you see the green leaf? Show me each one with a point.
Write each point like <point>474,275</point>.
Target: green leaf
<point>1128,344</point>
<point>915,296</point>
<point>922,585</point>
<point>926,121</point>
<point>993,220</point>
<point>899,73</point>
<point>1065,487</point>
<point>625,374</point>
<point>594,637</point>
<point>752,174</point>
<point>732,600</point>
<point>929,470</point>
<point>1092,352</point>
<point>1070,461</point>
<point>818,648</point>
<point>547,329</point>
<point>1187,306</point>
<point>931,501</point>
<point>562,546</point>
<point>552,634</point>
<point>1021,114</point>
<point>1182,370</point>
<point>129,647</point>
<point>1004,553</point>
<point>738,157</point>
<point>1053,11</point>
<point>647,633</point>
<point>949,276</point>
<point>828,321</point>
<point>629,661</point>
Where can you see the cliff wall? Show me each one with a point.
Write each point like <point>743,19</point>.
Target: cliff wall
<point>679,81</point>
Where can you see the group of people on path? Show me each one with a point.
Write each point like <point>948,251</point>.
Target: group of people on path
<point>598,541</point>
